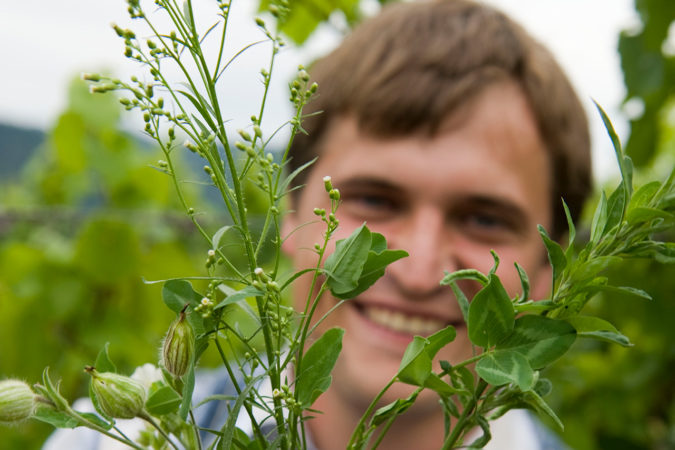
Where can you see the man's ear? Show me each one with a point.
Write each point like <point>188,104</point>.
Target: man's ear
<point>540,287</point>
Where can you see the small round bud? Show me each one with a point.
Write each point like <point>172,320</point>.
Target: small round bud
<point>244,135</point>
<point>257,130</point>
<point>118,396</point>
<point>91,77</point>
<point>334,194</point>
<point>178,348</point>
<point>259,22</point>
<point>327,184</point>
<point>17,401</point>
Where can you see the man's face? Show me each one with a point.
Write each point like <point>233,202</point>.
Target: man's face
<point>482,183</point>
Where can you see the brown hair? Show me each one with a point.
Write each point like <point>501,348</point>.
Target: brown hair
<point>407,69</point>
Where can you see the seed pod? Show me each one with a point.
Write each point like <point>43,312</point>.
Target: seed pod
<point>16,401</point>
<point>118,396</point>
<point>179,346</point>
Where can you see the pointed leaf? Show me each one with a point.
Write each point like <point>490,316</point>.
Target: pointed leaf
<point>465,274</point>
<point>506,366</point>
<point>379,257</point>
<point>491,314</point>
<point>597,328</point>
<point>344,266</point>
<point>103,362</point>
<point>556,255</point>
<point>237,296</point>
<point>315,372</point>
<point>524,282</point>
<point>162,400</point>
<point>534,401</point>
<point>397,407</point>
<point>218,235</point>
<point>56,418</point>
<point>540,339</point>
<point>176,293</point>
<point>599,219</point>
<point>415,366</point>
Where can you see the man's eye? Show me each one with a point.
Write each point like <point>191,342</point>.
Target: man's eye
<point>489,227</point>
<point>368,205</point>
<point>486,220</point>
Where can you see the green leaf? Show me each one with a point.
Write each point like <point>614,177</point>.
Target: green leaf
<point>625,164</point>
<point>395,408</point>
<point>243,294</point>
<point>643,195</point>
<point>597,328</point>
<point>177,293</point>
<point>314,375</point>
<point>616,205</point>
<point>556,255</point>
<point>524,282</point>
<point>623,290</point>
<point>218,235</point>
<point>377,261</point>
<point>540,339</point>
<point>464,274</point>
<point>56,418</point>
<point>572,231</point>
<point>440,339</point>
<point>645,214</point>
<point>592,268</point>
<point>415,365</point>
<point>162,400</point>
<point>491,314</point>
<point>103,362</point>
<point>599,219</point>
<point>188,389</point>
<point>461,300</point>
<point>344,266</point>
<point>485,437</point>
<point>534,401</point>
<point>506,366</point>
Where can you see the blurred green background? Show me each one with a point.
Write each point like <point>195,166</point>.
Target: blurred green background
<point>84,219</point>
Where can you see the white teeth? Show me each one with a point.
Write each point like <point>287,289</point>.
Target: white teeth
<point>402,323</point>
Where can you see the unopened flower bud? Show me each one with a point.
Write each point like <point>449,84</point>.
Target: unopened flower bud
<point>244,135</point>
<point>91,77</point>
<point>118,396</point>
<point>327,184</point>
<point>16,401</point>
<point>179,347</point>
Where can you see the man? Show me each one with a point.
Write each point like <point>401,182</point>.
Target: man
<point>452,132</point>
<point>449,130</point>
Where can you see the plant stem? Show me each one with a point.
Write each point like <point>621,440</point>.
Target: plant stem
<point>464,418</point>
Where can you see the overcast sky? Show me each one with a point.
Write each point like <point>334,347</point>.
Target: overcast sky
<point>46,43</point>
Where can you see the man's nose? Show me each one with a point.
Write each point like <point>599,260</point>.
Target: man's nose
<point>425,238</point>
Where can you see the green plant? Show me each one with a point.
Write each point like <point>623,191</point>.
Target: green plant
<point>515,337</point>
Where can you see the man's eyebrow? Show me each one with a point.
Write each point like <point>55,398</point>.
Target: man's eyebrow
<point>503,205</point>
<point>366,182</point>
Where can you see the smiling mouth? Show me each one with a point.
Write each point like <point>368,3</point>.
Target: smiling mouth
<point>401,322</point>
